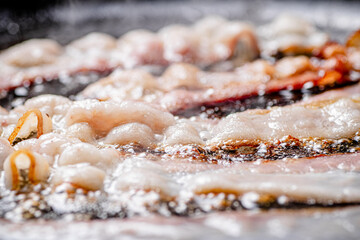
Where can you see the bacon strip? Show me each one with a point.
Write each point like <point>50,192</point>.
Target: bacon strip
<point>184,87</point>
<point>179,101</point>
<point>46,59</point>
<point>297,187</point>
<point>327,124</point>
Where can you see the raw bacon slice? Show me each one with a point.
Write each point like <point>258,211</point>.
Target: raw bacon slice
<point>141,175</point>
<point>303,130</point>
<point>330,120</point>
<point>98,52</point>
<point>184,87</point>
<point>141,185</point>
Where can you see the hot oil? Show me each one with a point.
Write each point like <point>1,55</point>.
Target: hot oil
<point>65,85</point>
<point>48,205</point>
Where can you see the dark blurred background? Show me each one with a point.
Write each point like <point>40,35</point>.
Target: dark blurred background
<point>65,20</point>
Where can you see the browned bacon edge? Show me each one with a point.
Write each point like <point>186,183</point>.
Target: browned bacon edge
<point>249,151</point>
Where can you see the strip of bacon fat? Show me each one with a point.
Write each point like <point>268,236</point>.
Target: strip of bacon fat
<point>184,86</point>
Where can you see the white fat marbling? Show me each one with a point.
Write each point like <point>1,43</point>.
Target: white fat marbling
<point>104,158</point>
<point>340,119</point>
<point>131,133</point>
<point>80,175</point>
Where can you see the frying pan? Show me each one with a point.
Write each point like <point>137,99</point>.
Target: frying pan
<point>65,21</point>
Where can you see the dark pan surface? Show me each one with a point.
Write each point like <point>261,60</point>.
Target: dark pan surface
<point>69,20</point>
